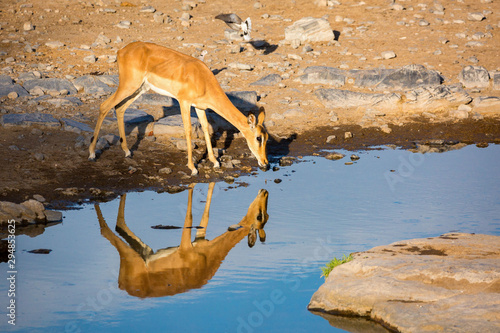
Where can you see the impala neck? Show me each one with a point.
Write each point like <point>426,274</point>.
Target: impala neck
<point>228,111</point>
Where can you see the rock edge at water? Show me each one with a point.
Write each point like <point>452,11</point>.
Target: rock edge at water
<point>450,282</point>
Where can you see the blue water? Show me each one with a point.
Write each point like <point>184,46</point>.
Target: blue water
<point>321,209</point>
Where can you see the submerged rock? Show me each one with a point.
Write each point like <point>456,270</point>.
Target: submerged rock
<point>445,283</point>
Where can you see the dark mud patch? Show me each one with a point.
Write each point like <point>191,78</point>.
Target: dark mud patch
<point>65,166</point>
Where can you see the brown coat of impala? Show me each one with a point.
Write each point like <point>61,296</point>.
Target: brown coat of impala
<point>145,273</point>
<point>143,66</point>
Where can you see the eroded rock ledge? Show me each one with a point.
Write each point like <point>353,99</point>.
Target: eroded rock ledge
<point>445,283</point>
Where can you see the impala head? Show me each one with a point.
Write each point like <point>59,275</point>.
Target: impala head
<point>257,139</point>
<point>257,216</point>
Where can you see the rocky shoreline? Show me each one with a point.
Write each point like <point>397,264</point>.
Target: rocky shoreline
<point>445,283</point>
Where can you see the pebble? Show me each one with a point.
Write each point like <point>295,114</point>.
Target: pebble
<point>165,171</point>
<point>28,26</point>
<point>388,55</point>
<point>54,44</point>
<point>475,16</point>
<point>347,135</point>
<point>354,157</point>
<point>330,138</point>
<point>334,156</point>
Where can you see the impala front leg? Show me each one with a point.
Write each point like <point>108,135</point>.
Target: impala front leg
<point>202,116</point>
<point>186,120</point>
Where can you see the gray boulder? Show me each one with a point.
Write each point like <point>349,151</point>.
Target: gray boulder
<point>172,126</point>
<point>92,85</point>
<point>486,104</point>
<point>406,77</point>
<point>496,81</point>
<point>245,101</point>
<point>410,77</point>
<point>75,126</point>
<point>336,98</point>
<point>309,29</point>
<point>368,78</point>
<point>50,84</point>
<point>441,284</point>
<point>29,119</point>
<point>424,97</point>
<point>7,86</point>
<point>474,77</point>
<point>156,99</point>
<point>268,80</point>
<point>28,212</point>
<point>323,75</point>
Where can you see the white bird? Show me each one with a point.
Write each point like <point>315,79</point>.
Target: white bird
<point>236,23</point>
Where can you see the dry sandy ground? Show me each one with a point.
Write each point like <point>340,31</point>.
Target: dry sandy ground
<point>375,29</point>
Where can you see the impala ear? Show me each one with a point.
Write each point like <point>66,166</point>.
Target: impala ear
<point>252,121</point>
<point>262,115</point>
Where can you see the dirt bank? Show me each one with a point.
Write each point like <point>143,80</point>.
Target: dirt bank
<point>52,163</point>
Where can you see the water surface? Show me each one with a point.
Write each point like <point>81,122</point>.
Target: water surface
<point>319,210</point>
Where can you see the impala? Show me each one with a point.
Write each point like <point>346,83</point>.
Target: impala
<point>146,273</point>
<point>143,66</point>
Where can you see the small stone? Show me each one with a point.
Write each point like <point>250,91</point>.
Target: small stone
<point>388,55</point>
<point>347,135</point>
<point>90,59</point>
<point>277,180</point>
<point>165,171</point>
<point>147,9</point>
<point>334,156</point>
<point>124,24</point>
<point>54,44</point>
<point>475,16</point>
<point>13,95</point>
<point>459,114</point>
<point>28,26</point>
<point>330,138</point>
<point>39,198</point>
<point>354,157</point>
<point>53,216</point>
<point>385,128</point>
<point>39,156</point>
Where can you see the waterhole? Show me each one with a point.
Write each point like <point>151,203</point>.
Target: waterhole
<point>242,257</point>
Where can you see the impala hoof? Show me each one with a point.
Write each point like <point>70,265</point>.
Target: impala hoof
<point>216,165</point>
<point>194,172</point>
<point>92,157</point>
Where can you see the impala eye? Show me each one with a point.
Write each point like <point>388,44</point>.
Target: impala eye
<point>259,139</point>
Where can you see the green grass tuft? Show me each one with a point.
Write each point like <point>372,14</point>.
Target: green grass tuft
<point>334,263</point>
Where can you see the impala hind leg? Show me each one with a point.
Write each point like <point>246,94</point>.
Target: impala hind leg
<point>121,99</point>
<point>202,116</point>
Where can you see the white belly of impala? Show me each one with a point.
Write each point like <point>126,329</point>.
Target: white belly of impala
<point>157,90</point>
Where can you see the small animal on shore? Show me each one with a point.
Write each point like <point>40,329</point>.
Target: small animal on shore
<point>236,23</point>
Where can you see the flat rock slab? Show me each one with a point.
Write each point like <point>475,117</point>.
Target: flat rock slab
<point>268,80</point>
<point>474,77</point>
<point>310,29</point>
<point>244,101</point>
<point>172,126</point>
<point>92,84</point>
<point>441,284</point>
<point>50,84</point>
<point>7,86</point>
<point>336,98</point>
<point>29,119</point>
<point>75,126</point>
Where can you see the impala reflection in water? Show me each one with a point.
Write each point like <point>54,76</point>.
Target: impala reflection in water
<point>173,270</point>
